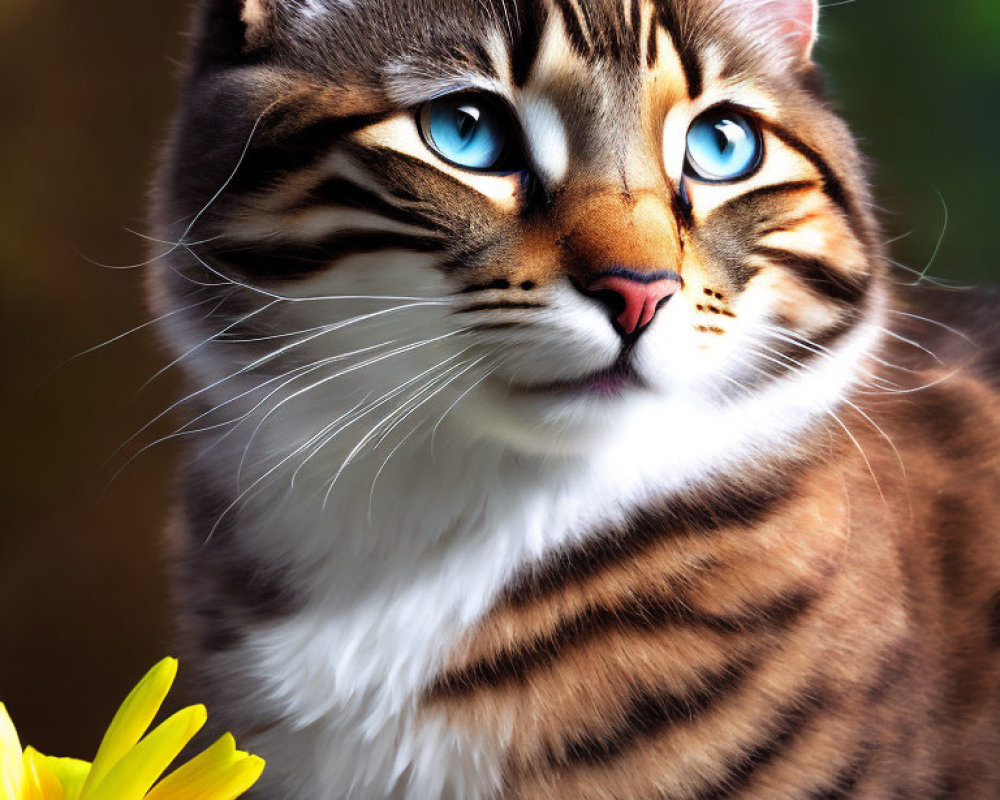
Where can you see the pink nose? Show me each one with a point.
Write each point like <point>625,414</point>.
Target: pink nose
<point>641,298</point>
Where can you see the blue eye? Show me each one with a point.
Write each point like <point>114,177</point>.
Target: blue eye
<point>467,130</point>
<point>723,145</point>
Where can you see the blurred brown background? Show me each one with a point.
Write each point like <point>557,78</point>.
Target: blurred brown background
<point>88,88</point>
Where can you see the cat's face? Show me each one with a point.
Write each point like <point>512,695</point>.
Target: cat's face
<point>542,217</point>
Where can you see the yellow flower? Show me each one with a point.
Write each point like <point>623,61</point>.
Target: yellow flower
<point>129,761</point>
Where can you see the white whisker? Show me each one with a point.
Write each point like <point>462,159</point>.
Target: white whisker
<point>864,456</point>
<point>948,328</point>
<point>912,343</point>
<point>372,434</point>
<point>457,401</point>
<point>235,422</point>
<point>786,335</point>
<point>353,368</point>
<point>284,460</point>
<point>381,400</point>
<point>121,336</point>
<point>883,434</point>
<point>254,364</point>
<point>470,365</point>
<point>248,316</point>
<point>271,471</point>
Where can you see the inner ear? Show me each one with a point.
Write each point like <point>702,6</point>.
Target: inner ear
<point>797,23</point>
<point>793,24</point>
<point>258,17</point>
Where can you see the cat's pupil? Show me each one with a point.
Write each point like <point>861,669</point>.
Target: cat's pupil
<point>728,137</point>
<point>466,122</point>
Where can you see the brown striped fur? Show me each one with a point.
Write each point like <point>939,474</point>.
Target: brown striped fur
<point>837,644</point>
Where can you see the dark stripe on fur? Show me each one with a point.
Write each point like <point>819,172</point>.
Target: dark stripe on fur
<point>786,726</point>
<point>846,782</point>
<point>594,31</point>
<point>772,190</point>
<point>951,786</point>
<point>733,503</point>
<point>683,213</point>
<point>994,621</point>
<point>474,54</point>
<point>342,192</point>
<point>495,326</point>
<point>412,179</point>
<point>635,25</point>
<point>652,52</point>
<point>896,665</point>
<point>574,28</point>
<point>735,225</point>
<point>291,261</point>
<point>667,14</point>
<point>832,184</point>
<point>652,612</point>
<point>524,51</point>
<point>499,306</point>
<point>819,275</point>
<point>649,713</point>
<point>273,154</point>
<point>498,283</point>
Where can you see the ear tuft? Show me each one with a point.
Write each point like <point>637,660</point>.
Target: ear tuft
<point>794,23</point>
<point>258,17</point>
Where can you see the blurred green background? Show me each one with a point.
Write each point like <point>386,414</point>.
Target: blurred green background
<point>88,91</point>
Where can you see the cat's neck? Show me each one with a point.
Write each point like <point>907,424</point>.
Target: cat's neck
<point>417,496</point>
<point>411,550</point>
<point>381,621</point>
<point>399,558</point>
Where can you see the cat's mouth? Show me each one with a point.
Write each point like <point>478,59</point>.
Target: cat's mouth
<point>609,382</point>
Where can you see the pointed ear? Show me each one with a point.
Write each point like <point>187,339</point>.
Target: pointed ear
<point>258,17</point>
<point>795,23</point>
<point>225,31</point>
<point>798,24</point>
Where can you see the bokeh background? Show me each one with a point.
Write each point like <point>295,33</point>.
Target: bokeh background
<point>88,89</point>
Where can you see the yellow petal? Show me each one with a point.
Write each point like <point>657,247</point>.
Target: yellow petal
<point>11,761</point>
<point>71,773</point>
<point>240,777</point>
<point>133,718</point>
<point>212,760</point>
<point>139,768</point>
<point>41,782</point>
<point>219,773</point>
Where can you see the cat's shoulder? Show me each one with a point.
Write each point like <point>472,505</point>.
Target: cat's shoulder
<point>958,328</point>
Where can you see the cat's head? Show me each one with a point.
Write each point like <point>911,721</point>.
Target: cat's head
<point>548,221</point>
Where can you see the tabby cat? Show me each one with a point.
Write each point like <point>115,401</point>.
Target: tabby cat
<point>560,428</point>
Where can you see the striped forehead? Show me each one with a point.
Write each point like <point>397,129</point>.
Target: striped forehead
<point>589,75</point>
<point>586,76</point>
<point>623,38</point>
<point>592,83</point>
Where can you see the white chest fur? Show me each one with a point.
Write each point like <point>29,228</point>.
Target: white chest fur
<point>395,572</point>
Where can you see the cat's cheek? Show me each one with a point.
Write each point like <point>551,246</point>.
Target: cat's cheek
<point>570,339</point>
<point>791,304</point>
<point>400,133</point>
<point>689,351</point>
<point>666,356</point>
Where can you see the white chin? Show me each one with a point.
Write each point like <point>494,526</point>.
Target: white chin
<point>558,423</point>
